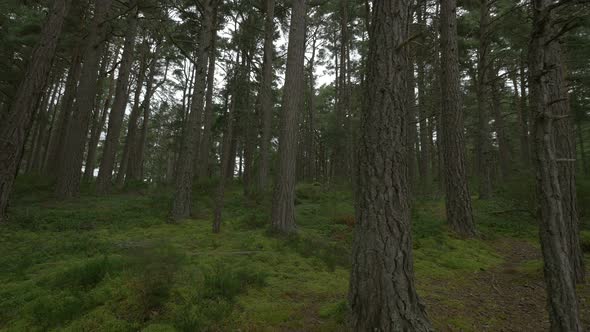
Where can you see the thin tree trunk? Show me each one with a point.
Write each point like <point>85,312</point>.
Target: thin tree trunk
<point>101,113</point>
<point>424,168</point>
<point>181,207</point>
<point>266,103</point>
<point>283,205</point>
<point>107,165</point>
<point>135,169</point>
<point>225,156</point>
<point>500,126</point>
<point>69,176</point>
<point>382,291</point>
<point>458,200</point>
<point>483,144</point>
<point>132,125</point>
<point>47,124</point>
<point>58,137</point>
<point>205,148</point>
<point>16,123</point>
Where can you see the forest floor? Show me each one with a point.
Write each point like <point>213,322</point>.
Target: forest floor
<point>115,264</point>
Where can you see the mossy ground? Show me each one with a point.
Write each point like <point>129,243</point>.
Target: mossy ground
<point>115,264</point>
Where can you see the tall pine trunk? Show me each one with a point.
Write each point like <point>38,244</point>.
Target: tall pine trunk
<point>69,176</point>
<point>266,104</point>
<point>17,122</point>
<point>105,174</point>
<point>458,200</point>
<point>283,204</point>
<point>181,206</point>
<point>549,105</point>
<point>382,291</point>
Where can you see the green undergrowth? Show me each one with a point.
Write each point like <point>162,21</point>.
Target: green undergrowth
<point>114,263</point>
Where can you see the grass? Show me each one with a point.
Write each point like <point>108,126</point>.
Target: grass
<point>114,264</point>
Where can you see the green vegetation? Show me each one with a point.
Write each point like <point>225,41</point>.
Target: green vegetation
<point>114,264</point>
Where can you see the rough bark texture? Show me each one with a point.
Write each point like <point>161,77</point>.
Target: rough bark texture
<point>283,204</point>
<point>382,288</point>
<point>266,97</point>
<point>107,164</point>
<point>69,176</point>
<point>181,206</point>
<point>458,200</point>
<point>17,122</point>
<point>548,103</point>
<point>525,146</point>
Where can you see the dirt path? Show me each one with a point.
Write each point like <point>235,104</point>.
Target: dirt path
<point>509,297</point>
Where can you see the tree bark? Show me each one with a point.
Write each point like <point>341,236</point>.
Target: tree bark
<point>424,161</point>
<point>58,136</point>
<point>548,102</point>
<point>69,176</point>
<point>16,123</point>
<point>458,201</point>
<point>104,182</point>
<point>132,125</point>
<point>205,148</point>
<point>101,112</point>
<point>482,142</point>
<point>382,292</point>
<point>266,103</point>
<point>499,125</point>
<point>283,205</point>
<point>181,207</point>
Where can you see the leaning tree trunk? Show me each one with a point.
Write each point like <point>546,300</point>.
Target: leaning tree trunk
<point>283,204</point>
<point>69,176</point>
<point>549,106</point>
<point>382,288</point>
<point>105,173</point>
<point>17,122</point>
<point>458,200</point>
<point>266,97</point>
<point>181,207</point>
<point>58,136</point>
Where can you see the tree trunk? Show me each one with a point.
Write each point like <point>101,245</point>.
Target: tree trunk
<point>283,205</point>
<point>548,102</point>
<point>500,126</point>
<point>107,165</point>
<point>137,150</point>
<point>411,131</point>
<point>266,103</point>
<point>69,176</point>
<point>100,117</point>
<point>458,200</point>
<point>45,129</point>
<point>132,125</point>
<point>58,137</point>
<point>482,142</point>
<point>310,139</point>
<point>17,122</point>
<point>225,155</point>
<point>382,291</point>
<point>181,207</point>
<point>205,148</point>
<point>424,168</point>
